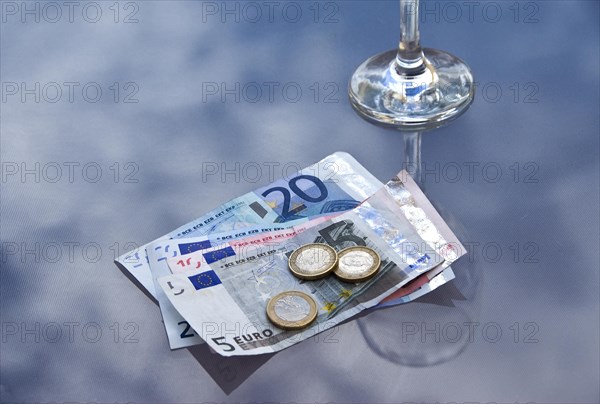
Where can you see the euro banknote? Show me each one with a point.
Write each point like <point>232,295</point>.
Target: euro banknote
<point>335,184</point>
<point>224,300</point>
<point>193,254</point>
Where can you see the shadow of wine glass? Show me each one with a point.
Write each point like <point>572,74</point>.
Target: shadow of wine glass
<point>431,330</point>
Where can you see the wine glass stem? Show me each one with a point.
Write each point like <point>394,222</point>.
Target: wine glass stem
<point>412,156</point>
<point>410,55</point>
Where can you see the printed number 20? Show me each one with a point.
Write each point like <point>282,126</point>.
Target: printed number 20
<point>293,184</point>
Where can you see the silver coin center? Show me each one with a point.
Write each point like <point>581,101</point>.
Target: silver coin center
<point>314,260</point>
<point>356,262</point>
<point>292,308</point>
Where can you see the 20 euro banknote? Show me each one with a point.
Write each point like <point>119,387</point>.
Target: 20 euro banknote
<point>335,184</point>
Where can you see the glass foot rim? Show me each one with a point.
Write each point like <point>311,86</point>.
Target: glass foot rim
<point>397,121</point>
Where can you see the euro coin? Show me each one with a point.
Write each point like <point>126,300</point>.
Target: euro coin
<point>292,310</point>
<point>312,261</point>
<point>357,264</point>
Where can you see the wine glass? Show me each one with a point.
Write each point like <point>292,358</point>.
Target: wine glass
<point>411,88</point>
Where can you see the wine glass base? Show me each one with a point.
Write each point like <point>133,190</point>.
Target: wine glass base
<point>384,95</point>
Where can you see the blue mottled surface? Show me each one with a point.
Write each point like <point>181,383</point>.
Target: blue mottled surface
<point>534,270</point>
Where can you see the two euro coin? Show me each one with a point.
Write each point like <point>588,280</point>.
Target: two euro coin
<point>352,264</point>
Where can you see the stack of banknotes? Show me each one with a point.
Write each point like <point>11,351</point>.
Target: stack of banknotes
<point>214,276</point>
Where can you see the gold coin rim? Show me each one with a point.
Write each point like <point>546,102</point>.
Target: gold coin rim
<point>296,272</point>
<point>337,272</point>
<point>291,325</point>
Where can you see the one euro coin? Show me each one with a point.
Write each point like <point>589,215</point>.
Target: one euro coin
<point>292,310</point>
<point>313,261</point>
<point>357,264</point>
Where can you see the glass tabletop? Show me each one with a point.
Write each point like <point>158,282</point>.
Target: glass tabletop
<point>120,121</point>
